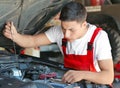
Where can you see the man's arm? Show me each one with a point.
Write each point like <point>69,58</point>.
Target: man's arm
<point>28,41</point>
<point>105,76</point>
<point>24,40</point>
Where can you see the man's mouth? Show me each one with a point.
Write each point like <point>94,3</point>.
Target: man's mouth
<point>70,40</point>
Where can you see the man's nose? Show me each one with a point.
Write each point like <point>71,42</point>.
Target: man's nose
<point>67,34</point>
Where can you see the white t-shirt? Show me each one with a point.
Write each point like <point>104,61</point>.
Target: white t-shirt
<point>102,48</point>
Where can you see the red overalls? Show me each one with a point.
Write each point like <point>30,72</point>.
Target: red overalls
<point>80,62</point>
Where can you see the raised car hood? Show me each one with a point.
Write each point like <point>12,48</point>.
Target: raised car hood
<point>29,16</point>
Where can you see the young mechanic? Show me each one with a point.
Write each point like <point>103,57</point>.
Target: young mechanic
<point>85,47</point>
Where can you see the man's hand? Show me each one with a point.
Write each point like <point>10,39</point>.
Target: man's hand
<point>10,30</point>
<point>72,76</point>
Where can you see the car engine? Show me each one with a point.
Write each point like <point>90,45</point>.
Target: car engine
<point>22,71</point>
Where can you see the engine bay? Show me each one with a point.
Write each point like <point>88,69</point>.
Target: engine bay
<point>18,71</point>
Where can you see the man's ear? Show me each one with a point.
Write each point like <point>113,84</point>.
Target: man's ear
<point>84,24</point>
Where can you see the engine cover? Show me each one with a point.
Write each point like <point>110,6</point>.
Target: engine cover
<point>7,82</point>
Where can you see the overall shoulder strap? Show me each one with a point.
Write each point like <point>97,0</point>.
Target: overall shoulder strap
<point>90,44</point>
<point>90,49</point>
<point>94,34</point>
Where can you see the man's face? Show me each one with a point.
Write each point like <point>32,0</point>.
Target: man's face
<point>72,30</point>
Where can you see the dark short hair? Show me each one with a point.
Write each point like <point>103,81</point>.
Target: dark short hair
<point>73,11</point>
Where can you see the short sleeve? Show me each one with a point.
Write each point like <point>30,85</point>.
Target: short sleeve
<point>103,47</point>
<point>54,33</point>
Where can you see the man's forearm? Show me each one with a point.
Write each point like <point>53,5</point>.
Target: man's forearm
<point>103,77</point>
<point>25,41</point>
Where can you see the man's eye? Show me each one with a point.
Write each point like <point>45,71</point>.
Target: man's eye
<point>72,30</point>
<point>63,29</point>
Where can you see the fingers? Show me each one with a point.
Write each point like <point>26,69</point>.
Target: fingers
<point>67,78</point>
<point>72,76</point>
<point>11,25</point>
<point>8,30</point>
<point>12,28</point>
<point>8,26</point>
<point>8,23</point>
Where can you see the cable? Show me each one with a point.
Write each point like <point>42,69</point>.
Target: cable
<point>14,47</point>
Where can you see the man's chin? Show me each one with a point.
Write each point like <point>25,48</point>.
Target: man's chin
<point>70,40</point>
